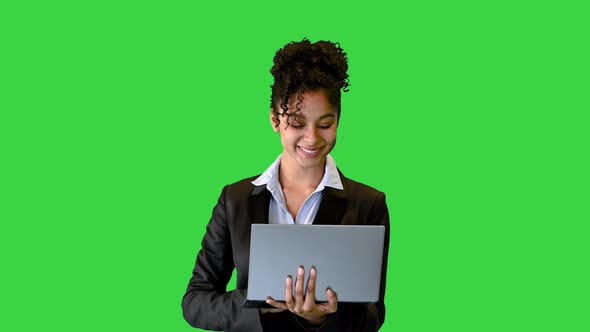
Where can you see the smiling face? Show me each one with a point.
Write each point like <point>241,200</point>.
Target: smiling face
<point>307,135</point>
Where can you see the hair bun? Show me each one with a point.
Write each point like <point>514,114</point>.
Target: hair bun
<point>322,58</point>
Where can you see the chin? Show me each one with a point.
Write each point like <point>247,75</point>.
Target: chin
<point>312,162</point>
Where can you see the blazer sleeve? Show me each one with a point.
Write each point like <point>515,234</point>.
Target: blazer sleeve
<point>207,304</point>
<point>365,317</point>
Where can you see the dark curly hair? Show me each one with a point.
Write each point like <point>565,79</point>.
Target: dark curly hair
<point>302,66</point>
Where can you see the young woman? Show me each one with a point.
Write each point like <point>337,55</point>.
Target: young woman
<point>303,186</point>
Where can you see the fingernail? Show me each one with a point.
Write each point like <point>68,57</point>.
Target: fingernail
<point>313,271</point>
<point>300,271</point>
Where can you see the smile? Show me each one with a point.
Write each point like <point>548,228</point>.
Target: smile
<point>309,151</point>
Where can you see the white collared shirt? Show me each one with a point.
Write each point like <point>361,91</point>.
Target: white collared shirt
<point>278,213</point>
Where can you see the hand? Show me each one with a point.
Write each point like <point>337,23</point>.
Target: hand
<point>306,307</point>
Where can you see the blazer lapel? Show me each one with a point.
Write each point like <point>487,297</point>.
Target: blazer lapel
<point>258,205</point>
<point>332,207</point>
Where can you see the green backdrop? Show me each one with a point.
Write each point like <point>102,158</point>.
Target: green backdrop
<point>121,121</point>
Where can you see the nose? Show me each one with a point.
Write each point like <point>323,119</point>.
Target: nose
<point>311,135</point>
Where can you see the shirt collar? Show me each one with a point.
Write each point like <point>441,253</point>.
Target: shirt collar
<point>270,177</point>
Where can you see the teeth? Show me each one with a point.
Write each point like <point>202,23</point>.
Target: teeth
<point>309,151</point>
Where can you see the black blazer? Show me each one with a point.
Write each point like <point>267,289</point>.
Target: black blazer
<point>226,244</point>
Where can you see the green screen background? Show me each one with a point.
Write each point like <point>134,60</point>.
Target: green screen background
<point>120,122</point>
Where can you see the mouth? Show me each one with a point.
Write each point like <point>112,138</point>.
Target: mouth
<point>309,151</point>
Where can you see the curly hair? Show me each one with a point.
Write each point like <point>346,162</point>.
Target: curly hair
<point>303,66</point>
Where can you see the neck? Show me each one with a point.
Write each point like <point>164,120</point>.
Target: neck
<point>291,176</point>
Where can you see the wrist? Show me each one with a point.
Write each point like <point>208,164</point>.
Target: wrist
<point>311,324</point>
<point>317,321</point>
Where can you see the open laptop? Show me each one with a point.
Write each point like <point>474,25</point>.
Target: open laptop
<point>348,259</point>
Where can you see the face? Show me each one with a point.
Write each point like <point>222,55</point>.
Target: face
<point>310,134</point>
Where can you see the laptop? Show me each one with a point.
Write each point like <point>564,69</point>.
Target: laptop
<point>348,259</point>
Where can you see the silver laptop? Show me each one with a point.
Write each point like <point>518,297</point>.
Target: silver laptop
<point>348,259</point>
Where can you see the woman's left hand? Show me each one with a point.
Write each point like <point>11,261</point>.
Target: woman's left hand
<point>305,306</point>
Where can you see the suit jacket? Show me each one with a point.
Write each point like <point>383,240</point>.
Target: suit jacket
<point>226,244</point>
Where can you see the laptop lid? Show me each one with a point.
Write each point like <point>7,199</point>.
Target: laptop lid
<point>348,259</point>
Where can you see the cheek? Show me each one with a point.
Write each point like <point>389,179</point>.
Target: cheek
<point>331,137</point>
<point>290,135</point>
<point>286,138</point>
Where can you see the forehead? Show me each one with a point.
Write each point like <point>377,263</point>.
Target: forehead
<point>314,104</point>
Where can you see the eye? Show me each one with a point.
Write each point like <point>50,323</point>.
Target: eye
<point>326,126</point>
<point>297,125</point>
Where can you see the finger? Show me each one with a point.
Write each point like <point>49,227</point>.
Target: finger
<point>270,311</point>
<point>310,293</point>
<point>299,288</point>
<point>332,301</point>
<point>277,304</point>
<point>289,293</point>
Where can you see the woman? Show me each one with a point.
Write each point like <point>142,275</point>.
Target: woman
<point>303,186</point>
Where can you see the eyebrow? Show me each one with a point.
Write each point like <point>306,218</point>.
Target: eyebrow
<point>325,116</point>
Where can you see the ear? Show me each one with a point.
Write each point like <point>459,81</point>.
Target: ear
<point>274,122</point>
